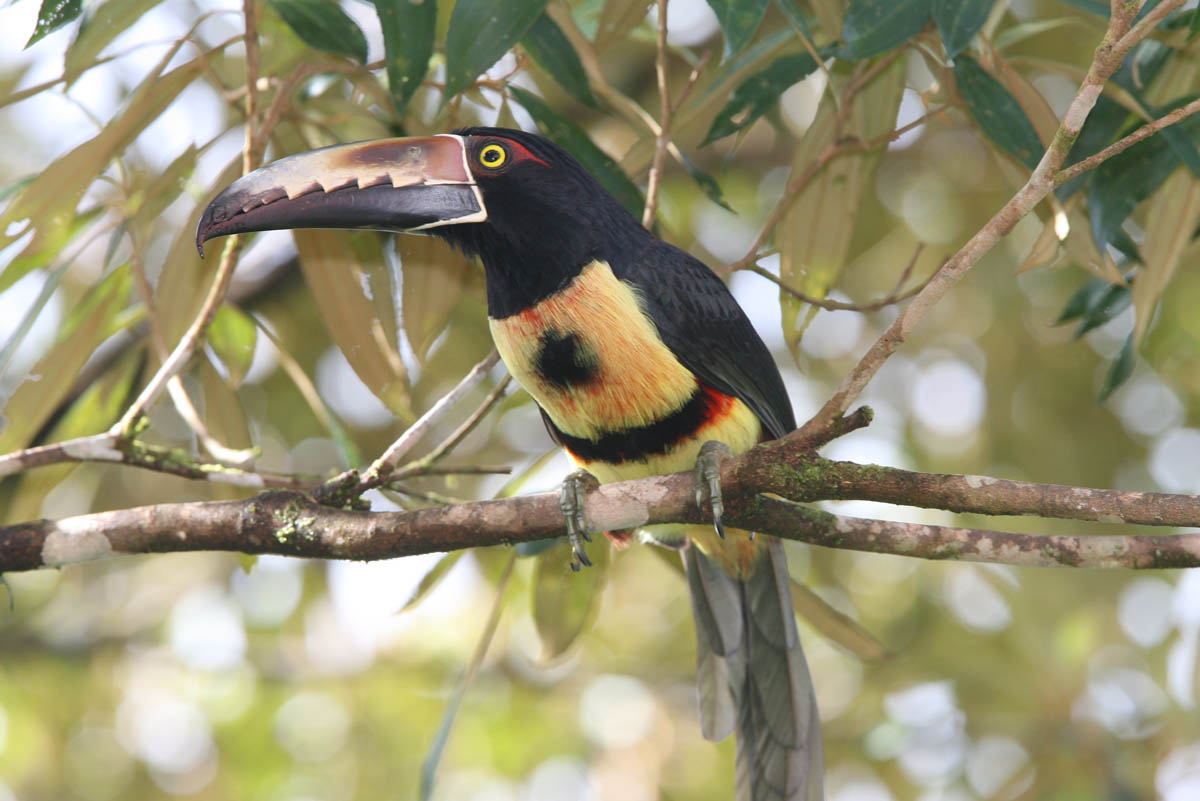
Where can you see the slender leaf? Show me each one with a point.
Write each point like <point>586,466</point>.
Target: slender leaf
<point>1094,304</point>
<point>224,416</point>
<point>1194,25</point>
<point>834,625</point>
<point>739,19</point>
<point>959,20</point>
<point>1128,178</point>
<point>565,602</point>
<point>708,185</point>
<point>53,15</point>
<point>1121,369</point>
<point>758,93</point>
<point>997,112</point>
<point>233,336</point>
<point>434,755</point>
<point>1172,216</point>
<point>576,141</point>
<point>872,27</point>
<point>552,51</point>
<point>333,265</point>
<point>35,399</point>
<point>481,31</point>
<point>103,23</point>
<point>408,34</point>
<point>617,19</point>
<point>323,25</point>
<point>432,278</point>
<point>431,579</point>
<point>795,16</point>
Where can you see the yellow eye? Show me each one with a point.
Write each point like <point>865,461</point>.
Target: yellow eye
<point>493,156</point>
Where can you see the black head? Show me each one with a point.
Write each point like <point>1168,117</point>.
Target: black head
<point>530,211</point>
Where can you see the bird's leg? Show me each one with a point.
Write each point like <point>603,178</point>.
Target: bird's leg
<point>708,480</point>
<point>572,499</point>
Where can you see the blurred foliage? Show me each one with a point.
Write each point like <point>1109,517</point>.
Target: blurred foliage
<point>209,677</point>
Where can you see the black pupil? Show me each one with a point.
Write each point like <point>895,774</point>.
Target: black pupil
<point>492,155</point>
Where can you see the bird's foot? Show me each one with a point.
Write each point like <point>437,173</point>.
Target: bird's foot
<point>572,500</point>
<point>708,480</point>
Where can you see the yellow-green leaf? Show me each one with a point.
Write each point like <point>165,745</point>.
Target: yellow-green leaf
<point>332,262</point>
<point>232,337</point>
<point>564,601</point>
<point>1171,220</point>
<point>431,275</point>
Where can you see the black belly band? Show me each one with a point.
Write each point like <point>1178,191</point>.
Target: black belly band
<point>638,444</point>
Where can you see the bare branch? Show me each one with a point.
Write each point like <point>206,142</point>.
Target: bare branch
<point>292,523</point>
<point>663,137</point>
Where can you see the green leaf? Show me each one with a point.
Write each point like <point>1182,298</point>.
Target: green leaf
<point>409,28</point>
<point>758,93</point>
<point>432,578</point>
<point>103,23</point>
<point>565,602</point>
<point>1094,304</point>
<point>1121,369</point>
<point>430,764</point>
<point>997,112</point>
<point>1091,6</point>
<point>233,336</point>
<point>481,31</point>
<point>1128,178</point>
<point>1194,25</point>
<point>708,185</point>
<point>791,10</point>
<point>552,51</point>
<point>323,25</point>
<point>872,27</point>
<point>739,19</point>
<point>576,142</point>
<point>53,15</point>
<point>959,20</point>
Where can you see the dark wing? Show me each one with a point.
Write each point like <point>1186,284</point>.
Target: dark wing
<point>708,332</point>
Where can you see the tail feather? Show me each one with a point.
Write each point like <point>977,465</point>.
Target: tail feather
<point>758,683</point>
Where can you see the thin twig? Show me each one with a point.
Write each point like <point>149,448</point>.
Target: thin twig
<point>660,144</point>
<point>828,304</point>
<point>1146,131</point>
<point>419,466</point>
<point>1107,60</point>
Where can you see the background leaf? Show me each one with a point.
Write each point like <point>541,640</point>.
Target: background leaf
<point>565,602</point>
<point>408,35</point>
<point>552,51</point>
<point>872,27</point>
<point>481,31</point>
<point>758,93</point>
<point>324,26</point>
<point>997,112</point>
<point>53,15</point>
<point>959,20</point>
<point>233,336</point>
<point>739,19</point>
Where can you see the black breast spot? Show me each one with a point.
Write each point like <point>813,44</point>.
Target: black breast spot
<point>563,360</point>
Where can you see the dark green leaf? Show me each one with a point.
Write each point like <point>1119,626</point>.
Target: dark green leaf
<point>997,112</point>
<point>1108,117</point>
<point>733,68</point>
<point>408,34</point>
<point>758,93</point>
<point>791,10</point>
<point>481,31</point>
<point>1128,178</point>
<point>323,25</point>
<point>1091,6</point>
<point>1121,369</point>
<point>739,19</point>
<point>1094,304</point>
<point>552,51</point>
<point>872,27</point>
<point>958,21</point>
<point>708,185</point>
<point>576,142</point>
<point>1194,25</point>
<point>53,15</point>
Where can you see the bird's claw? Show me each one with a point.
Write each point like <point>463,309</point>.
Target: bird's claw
<point>708,480</point>
<point>572,500</point>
